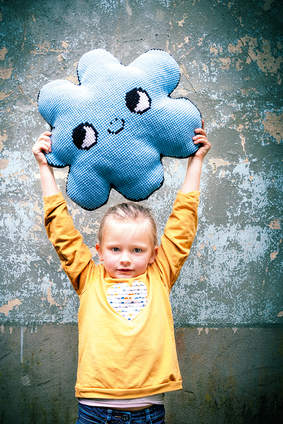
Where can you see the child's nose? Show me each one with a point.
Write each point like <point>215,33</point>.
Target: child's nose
<point>125,257</point>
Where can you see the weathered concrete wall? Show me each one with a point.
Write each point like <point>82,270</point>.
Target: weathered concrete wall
<point>230,375</point>
<point>230,55</point>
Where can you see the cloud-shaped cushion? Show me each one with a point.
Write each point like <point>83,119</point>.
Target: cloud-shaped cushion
<point>115,126</point>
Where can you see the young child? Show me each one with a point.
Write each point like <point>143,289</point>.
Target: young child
<point>127,354</point>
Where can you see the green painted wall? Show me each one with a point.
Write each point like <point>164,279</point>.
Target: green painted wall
<point>230,56</point>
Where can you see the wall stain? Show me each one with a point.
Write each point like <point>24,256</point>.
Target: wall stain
<point>275,224</point>
<point>273,124</point>
<point>3,138</point>
<point>217,162</point>
<point>4,163</point>
<point>5,73</point>
<point>3,53</point>
<point>43,49</point>
<point>9,306</point>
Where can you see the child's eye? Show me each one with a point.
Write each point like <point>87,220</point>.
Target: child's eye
<point>115,249</point>
<point>137,250</point>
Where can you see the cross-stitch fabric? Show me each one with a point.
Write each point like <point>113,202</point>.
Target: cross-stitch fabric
<point>113,129</point>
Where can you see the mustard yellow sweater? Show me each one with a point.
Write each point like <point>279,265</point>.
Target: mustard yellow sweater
<point>119,358</point>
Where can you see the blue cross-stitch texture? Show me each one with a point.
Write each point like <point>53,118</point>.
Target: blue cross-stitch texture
<point>115,126</point>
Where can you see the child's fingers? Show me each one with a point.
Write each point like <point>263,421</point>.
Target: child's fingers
<point>204,147</point>
<point>199,139</point>
<point>44,137</point>
<point>42,146</point>
<point>202,140</point>
<point>43,142</point>
<point>46,146</point>
<point>200,131</point>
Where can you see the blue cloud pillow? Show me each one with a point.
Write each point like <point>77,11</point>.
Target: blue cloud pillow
<point>113,129</point>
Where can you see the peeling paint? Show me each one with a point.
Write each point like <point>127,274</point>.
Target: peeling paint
<point>42,49</point>
<point>237,48</point>
<point>275,224</point>
<point>4,163</point>
<point>50,298</point>
<point>226,62</point>
<point>5,73</point>
<point>5,309</point>
<point>260,52</point>
<point>3,53</point>
<point>213,50</point>
<point>217,162</point>
<point>181,23</point>
<point>90,230</point>
<point>128,8</point>
<point>247,91</point>
<point>267,5</point>
<point>65,44</point>
<point>73,78</point>
<point>4,96</point>
<point>273,124</point>
<point>3,139</point>
<point>273,255</point>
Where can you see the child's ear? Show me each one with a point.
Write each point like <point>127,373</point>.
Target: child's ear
<point>99,251</point>
<point>154,253</point>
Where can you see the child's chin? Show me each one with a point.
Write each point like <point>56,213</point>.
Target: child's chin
<point>125,274</point>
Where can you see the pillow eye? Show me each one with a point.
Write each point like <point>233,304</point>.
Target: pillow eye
<point>84,136</point>
<point>138,101</point>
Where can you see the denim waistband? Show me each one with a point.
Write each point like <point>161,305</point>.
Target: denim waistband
<point>154,409</point>
<point>152,414</point>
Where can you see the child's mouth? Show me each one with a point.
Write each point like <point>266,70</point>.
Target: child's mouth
<point>124,270</point>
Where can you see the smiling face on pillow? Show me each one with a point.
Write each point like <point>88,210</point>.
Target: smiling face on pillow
<point>115,126</point>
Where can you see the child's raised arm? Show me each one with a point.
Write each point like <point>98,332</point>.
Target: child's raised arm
<point>42,146</point>
<point>192,178</point>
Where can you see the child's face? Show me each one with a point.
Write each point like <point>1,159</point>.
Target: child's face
<point>126,248</point>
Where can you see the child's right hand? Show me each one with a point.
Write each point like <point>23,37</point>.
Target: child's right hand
<point>41,147</point>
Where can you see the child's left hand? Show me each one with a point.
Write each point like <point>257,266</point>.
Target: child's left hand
<point>201,138</point>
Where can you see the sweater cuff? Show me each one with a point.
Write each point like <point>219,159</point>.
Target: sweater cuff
<point>53,198</point>
<point>192,194</point>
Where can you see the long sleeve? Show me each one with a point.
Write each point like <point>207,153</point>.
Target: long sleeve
<point>178,236</point>
<point>68,242</point>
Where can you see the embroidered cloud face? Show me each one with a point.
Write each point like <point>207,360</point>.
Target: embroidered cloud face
<point>115,126</point>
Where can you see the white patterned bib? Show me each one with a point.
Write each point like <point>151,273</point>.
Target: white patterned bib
<point>128,301</point>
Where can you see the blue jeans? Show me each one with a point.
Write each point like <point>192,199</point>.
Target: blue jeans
<point>97,415</point>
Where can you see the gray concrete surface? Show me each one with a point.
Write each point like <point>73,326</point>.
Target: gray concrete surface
<point>230,56</point>
<point>230,375</point>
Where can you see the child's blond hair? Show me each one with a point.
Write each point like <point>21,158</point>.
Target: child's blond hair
<point>133,211</point>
